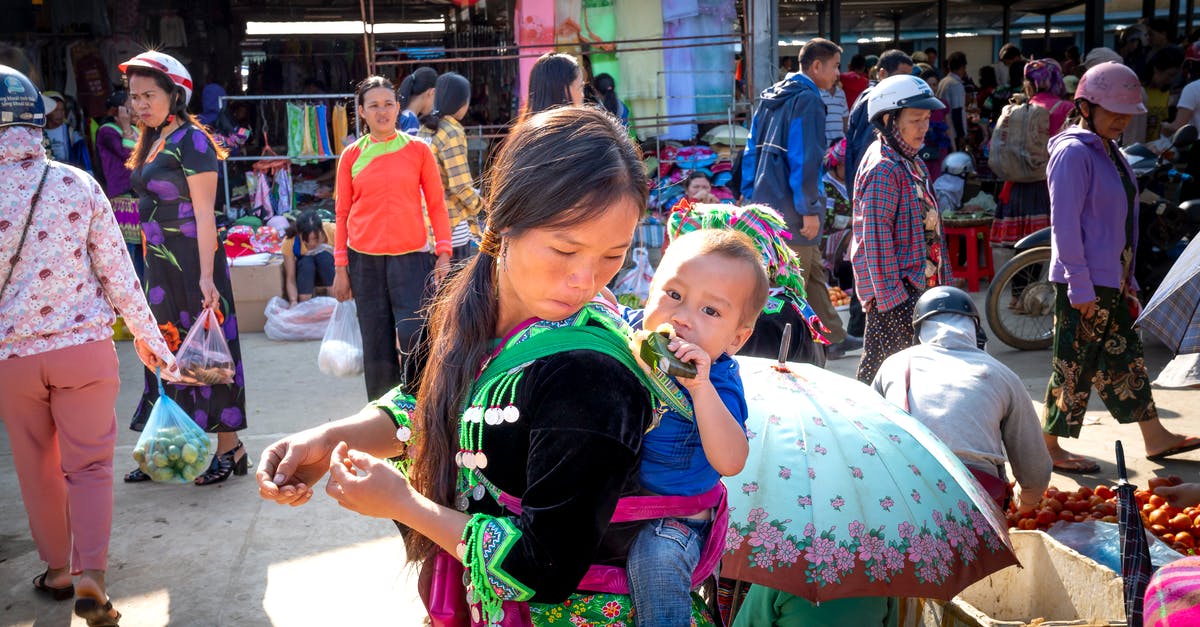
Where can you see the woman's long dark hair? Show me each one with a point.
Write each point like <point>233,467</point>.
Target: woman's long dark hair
<point>148,135</point>
<point>550,82</point>
<point>415,84</point>
<point>558,168</point>
<point>606,87</point>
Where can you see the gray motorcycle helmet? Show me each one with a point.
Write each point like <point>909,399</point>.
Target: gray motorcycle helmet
<point>949,300</point>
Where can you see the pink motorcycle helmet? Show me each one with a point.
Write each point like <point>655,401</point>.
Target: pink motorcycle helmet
<point>1112,86</point>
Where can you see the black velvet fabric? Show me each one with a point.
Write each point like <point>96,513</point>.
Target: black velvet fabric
<point>571,455</point>
<point>768,335</point>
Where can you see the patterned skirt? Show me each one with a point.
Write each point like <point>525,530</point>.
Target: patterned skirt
<point>1026,210</point>
<point>602,609</point>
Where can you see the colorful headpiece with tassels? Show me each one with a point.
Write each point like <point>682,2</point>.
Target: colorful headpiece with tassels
<point>762,224</point>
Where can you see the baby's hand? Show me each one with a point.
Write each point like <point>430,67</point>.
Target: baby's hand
<point>691,353</point>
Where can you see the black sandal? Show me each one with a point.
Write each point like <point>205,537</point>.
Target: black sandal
<point>136,476</point>
<point>58,594</point>
<point>224,465</point>
<point>95,614</point>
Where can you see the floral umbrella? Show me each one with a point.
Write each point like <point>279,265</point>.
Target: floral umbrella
<point>846,495</point>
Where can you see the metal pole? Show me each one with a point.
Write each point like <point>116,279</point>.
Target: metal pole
<point>1173,16</point>
<point>896,28</point>
<point>1046,35</point>
<point>1147,9</point>
<point>362,10</point>
<point>1006,27</point>
<point>1093,24</point>
<point>943,17</point>
<point>1190,10</point>
<point>764,45</point>
<point>835,21</point>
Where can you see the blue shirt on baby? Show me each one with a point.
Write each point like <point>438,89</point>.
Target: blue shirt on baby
<point>673,460</point>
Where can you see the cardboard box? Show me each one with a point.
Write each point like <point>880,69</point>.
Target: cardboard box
<point>253,286</point>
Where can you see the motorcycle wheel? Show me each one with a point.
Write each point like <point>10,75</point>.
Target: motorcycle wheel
<point>1023,318</point>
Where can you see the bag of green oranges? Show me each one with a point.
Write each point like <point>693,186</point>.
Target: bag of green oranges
<point>172,447</point>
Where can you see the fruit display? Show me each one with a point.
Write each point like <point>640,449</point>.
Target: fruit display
<point>172,455</point>
<point>1178,527</point>
<point>838,297</point>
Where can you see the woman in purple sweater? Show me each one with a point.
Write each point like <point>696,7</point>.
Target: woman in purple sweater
<point>114,143</point>
<point>1093,217</point>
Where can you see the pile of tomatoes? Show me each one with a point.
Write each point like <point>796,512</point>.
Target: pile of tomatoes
<point>1178,527</point>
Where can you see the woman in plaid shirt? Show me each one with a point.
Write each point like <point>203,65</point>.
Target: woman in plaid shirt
<point>443,131</point>
<point>898,242</point>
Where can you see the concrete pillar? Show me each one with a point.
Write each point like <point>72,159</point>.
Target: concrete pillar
<point>1093,24</point>
<point>943,19</point>
<point>763,57</point>
<point>835,21</point>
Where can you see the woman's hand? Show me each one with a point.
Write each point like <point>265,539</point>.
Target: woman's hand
<point>212,298</point>
<point>291,466</point>
<point>341,284</point>
<point>1087,310</point>
<point>810,226</point>
<point>441,268</point>
<point>368,485</point>
<point>154,362</point>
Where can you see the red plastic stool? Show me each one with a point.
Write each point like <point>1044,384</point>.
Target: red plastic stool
<point>973,271</point>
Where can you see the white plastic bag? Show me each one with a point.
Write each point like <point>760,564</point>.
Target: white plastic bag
<point>341,352</point>
<point>302,321</point>
<point>633,286</point>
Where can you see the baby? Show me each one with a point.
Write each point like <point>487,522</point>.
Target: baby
<point>710,286</point>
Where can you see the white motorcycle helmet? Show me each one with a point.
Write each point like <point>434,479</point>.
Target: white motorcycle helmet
<point>166,64</point>
<point>903,91</point>
<point>958,164</point>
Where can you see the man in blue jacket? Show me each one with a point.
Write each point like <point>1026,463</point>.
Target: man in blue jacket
<point>781,168</point>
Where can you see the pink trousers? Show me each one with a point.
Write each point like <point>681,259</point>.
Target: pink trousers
<point>58,408</point>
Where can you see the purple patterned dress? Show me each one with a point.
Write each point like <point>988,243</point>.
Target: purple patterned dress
<point>173,277</point>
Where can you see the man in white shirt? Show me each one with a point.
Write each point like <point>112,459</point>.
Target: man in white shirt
<point>952,92</point>
<point>1187,109</point>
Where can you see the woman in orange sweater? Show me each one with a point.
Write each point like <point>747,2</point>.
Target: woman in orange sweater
<point>382,254</point>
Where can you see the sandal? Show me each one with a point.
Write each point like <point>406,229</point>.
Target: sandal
<point>95,614</point>
<point>224,465</point>
<point>1076,466</point>
<point>136,476</point>
<point>1187,444</point>
<point>58,594</point>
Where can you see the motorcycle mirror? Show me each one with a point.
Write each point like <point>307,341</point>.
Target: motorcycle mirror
<point>1185,136</point>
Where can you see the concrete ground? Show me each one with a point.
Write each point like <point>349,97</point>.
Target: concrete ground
<point>219,555</point>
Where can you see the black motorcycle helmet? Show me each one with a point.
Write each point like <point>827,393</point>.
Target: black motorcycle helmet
<point>945,299</point>
<point>20,101</point>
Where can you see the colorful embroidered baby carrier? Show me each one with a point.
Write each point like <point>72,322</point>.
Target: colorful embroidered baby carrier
<point>473,594</point>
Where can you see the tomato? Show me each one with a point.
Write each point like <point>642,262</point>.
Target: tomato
<point>1186,539</point>
<point>1157,500</point>
<point>1109,519</point>
<point>1105,492</point>
<point>1093,501</point>
<point>1158,530</point>
<point>1047,516</point>
<point>1084,492</point>
<point>1180,522</point>
<point>1077,506</point>
<point>1158,482</point>
<point>1147,508</point>
<point>1054,504</point>
<point>1160,517</point>
<point>1168,537</point>
<point>1027,524</point>
<point>1080,518</point>
<point>1066,515</point>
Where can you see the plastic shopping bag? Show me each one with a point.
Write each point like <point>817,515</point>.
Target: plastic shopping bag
<point>341,352</point>
<point>172,448</point>
<point>633,287</point>
<point>204,357</point>
<point>303,321</point>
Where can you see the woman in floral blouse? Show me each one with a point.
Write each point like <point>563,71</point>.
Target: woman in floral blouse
<point>64,269</point>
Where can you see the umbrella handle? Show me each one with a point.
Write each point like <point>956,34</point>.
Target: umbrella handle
<point>1121,474</point>
<point>785,344</point>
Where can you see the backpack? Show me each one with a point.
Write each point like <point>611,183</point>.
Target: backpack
<point>1018,149</point>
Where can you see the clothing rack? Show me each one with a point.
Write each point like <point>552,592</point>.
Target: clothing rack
<point>276,97</point>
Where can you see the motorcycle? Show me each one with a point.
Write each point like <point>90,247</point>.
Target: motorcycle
<point>1026,321</point>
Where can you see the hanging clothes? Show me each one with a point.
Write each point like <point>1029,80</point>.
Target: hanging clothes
<point>323,130</point>
<point>295,130</point>
<point>600,26</point>
<point>699,76</point>
<point>340,127</point>
<point>283,191</point>
<point>306,147</point>
<point>535,35</point>
<point>641,70</point>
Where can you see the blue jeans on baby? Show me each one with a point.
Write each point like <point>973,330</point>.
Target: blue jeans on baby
<point>660,565</point>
